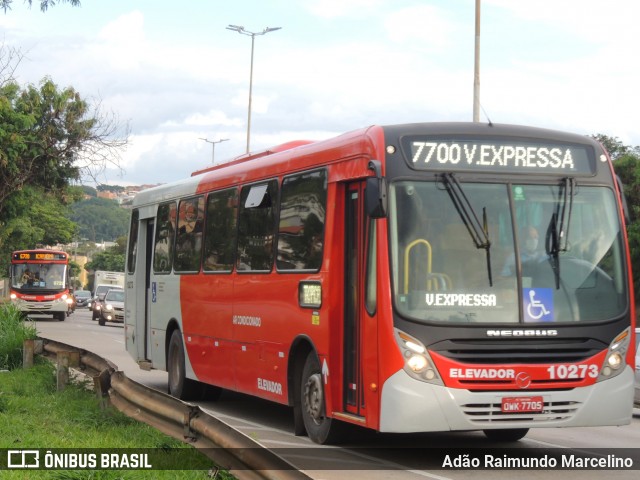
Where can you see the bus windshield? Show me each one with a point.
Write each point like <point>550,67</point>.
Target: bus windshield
<point>554,253</point>
<point>34,276</point>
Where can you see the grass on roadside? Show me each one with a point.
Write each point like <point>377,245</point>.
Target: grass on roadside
<point>14,330</point>
<point>34,415</point>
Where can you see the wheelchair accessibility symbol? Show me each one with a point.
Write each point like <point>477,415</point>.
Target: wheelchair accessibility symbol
<point>538,304</point>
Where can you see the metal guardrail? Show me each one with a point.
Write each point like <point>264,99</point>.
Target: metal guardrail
<point>230,449</point>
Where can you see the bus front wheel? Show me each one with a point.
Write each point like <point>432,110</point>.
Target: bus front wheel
<point>179,385</point>
<point>506,434</point>
<point>320,428</point>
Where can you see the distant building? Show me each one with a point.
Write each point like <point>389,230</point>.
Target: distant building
<point>108,194</point>
<point>81,260</point>
<point>104,245</point>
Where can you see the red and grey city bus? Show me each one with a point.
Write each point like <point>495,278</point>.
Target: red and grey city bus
<point>407,278</point>
<point>40,282</point>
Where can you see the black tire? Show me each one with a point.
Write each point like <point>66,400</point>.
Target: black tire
<point>210,392</point>
<point>506,434</point>
<point>179,385</point>
<point>101,321</point>
<point>320,428</point>
<point>60,316</point>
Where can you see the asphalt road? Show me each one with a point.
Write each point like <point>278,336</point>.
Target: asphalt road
<point>367,455</point>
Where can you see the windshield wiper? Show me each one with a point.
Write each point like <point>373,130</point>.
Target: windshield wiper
<point>568,188</point>
<point>478,231</point>
<point>557,239</point>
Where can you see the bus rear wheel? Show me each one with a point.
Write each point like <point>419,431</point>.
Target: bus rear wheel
<point>320,428</point>
<point>506,434</point>
<point>179,385</point>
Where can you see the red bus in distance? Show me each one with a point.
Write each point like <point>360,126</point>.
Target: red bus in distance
<point>40,282</point>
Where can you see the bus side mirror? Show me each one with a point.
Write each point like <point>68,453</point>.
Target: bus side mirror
<point>375,193</point>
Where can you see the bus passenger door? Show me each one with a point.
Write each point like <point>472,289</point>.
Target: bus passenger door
<point>137,283</point>
<point>148,262</point>
<point>354,310</point>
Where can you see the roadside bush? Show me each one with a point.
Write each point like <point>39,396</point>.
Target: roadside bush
<point>14,330</point>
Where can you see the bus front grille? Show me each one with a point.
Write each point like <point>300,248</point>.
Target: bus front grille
<point>38,307</point>
<point>538,351</point>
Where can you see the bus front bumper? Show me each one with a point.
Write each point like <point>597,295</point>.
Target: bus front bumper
<point>42,308</point>
<point>409,405</point>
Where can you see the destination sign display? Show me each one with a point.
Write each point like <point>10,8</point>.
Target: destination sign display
<point>498,155</point>
<point>32,256</point>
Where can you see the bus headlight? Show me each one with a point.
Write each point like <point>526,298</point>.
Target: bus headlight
<point>615,360</point>
<point>13,296</point>
<point>418,363</point>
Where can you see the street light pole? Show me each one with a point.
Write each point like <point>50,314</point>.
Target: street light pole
<point>476,73</point>
<point>242,31</point>
<point>213,147</point>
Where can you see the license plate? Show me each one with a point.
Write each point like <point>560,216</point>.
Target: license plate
<point>522,404</point>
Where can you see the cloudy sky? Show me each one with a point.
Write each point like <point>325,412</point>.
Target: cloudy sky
<point>176,74</point>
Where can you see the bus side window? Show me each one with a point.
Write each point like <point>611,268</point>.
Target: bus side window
<point>302,216</point>
<point>165,232</point>
<point>189,236</point>
<point>256,227</point>
<point>220,231</point>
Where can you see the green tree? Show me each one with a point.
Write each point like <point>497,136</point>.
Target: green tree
<point>90,191</point>
<point>110,188</point>
<point>74,268</point>
<point>100,219</point>
<point>49,137</point>
<point>34,217</point>
<point>44,4</point>
<point>111,259</point>
<point>615,147</point>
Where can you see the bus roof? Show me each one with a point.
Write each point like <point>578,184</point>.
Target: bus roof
<point>253,155</point>
<point>365,142</point>
<point>268,164</point>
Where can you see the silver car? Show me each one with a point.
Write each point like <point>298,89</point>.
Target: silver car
<point>112,307</point>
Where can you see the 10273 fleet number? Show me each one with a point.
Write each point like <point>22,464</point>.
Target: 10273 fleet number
<point>571,372</point>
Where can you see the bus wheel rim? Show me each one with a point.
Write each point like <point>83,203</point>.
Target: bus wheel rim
<point>313,398</point>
